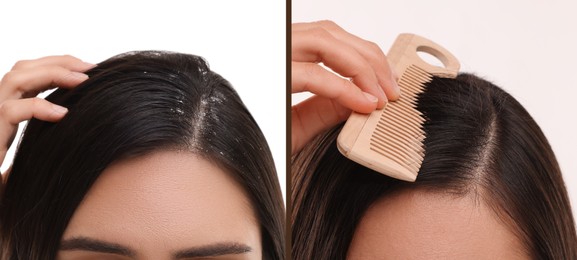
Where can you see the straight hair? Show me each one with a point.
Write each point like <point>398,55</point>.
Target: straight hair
<point>133,104</point>
<point>479,140</point>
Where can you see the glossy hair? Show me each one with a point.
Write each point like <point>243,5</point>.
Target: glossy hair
<point>134,104</point>
<point>480,141</point>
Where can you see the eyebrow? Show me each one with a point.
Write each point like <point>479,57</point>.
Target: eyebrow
<point>95,245</point>
<point>218,249</point>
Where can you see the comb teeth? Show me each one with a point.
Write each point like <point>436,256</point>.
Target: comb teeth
<point>390,140</point>
<point>399,134</point>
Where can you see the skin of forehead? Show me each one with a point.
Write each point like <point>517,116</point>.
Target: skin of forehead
<point>417,224</point>
<point>166,201</point>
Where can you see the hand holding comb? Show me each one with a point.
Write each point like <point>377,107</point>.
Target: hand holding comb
<point>390,140</point>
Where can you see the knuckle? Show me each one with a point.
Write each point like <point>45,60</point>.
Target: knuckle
<point>346,85</point>
<point>67,57</point>
<point>9,78</point>
<point>342,90</point>
<point>376,55</point>
<point>327,24</point>
<point>36,102</point>
<point>20,64</point>
<point>373,47</point>
<point>366,70</point>
<point>320,33</point>
<point>312,70</point>
<point>361,69</point>
<point>7,108</point>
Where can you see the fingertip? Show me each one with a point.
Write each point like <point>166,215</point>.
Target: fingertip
<point>395,76</point>
<point>392,90</point>
<point>382,100</point>
<point>396,90</point>
<point>79,76</point>
<point>58,112</point>
<point>394,83</point>
<point>369,105</point>
<point>88,65</point>
<point>371,98</point>
<point>59,109</point>
<point>381,105</point>
<point>391,81</point>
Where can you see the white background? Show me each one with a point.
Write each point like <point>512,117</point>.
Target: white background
<point>529,48</point>
<point>244,41</point>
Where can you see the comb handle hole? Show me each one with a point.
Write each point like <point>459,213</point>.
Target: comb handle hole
<point>430,58</point>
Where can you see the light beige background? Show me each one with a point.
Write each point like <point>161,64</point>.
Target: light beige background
<point>527,47</point>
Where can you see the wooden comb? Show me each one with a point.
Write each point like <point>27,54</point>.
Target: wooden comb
<point>390,140</point>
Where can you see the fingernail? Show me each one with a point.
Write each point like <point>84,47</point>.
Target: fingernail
<point>383,95</point>
<point>371,98</point>
<point>89,65</point>
<point>396,88</point>
<point>59,109</point>
<point>395,76</point>
<point>79,76</point>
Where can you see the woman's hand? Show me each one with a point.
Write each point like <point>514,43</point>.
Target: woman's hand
<point>19,87</point>
<point>371,82</point>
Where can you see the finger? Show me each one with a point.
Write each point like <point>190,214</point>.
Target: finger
<point>317,45</point>
<point>16,111</point>
<point>376,57</point>
<point>313,78</point>
<point>387,78</point>
<point>13,112</point>
<point>299,26</point>
<point>29,82</point>
<point>66,61</point>
<point>313,116</point>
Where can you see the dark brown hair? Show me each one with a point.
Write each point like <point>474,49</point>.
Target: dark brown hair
<point>133,104</point>
<point>479,140</point>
